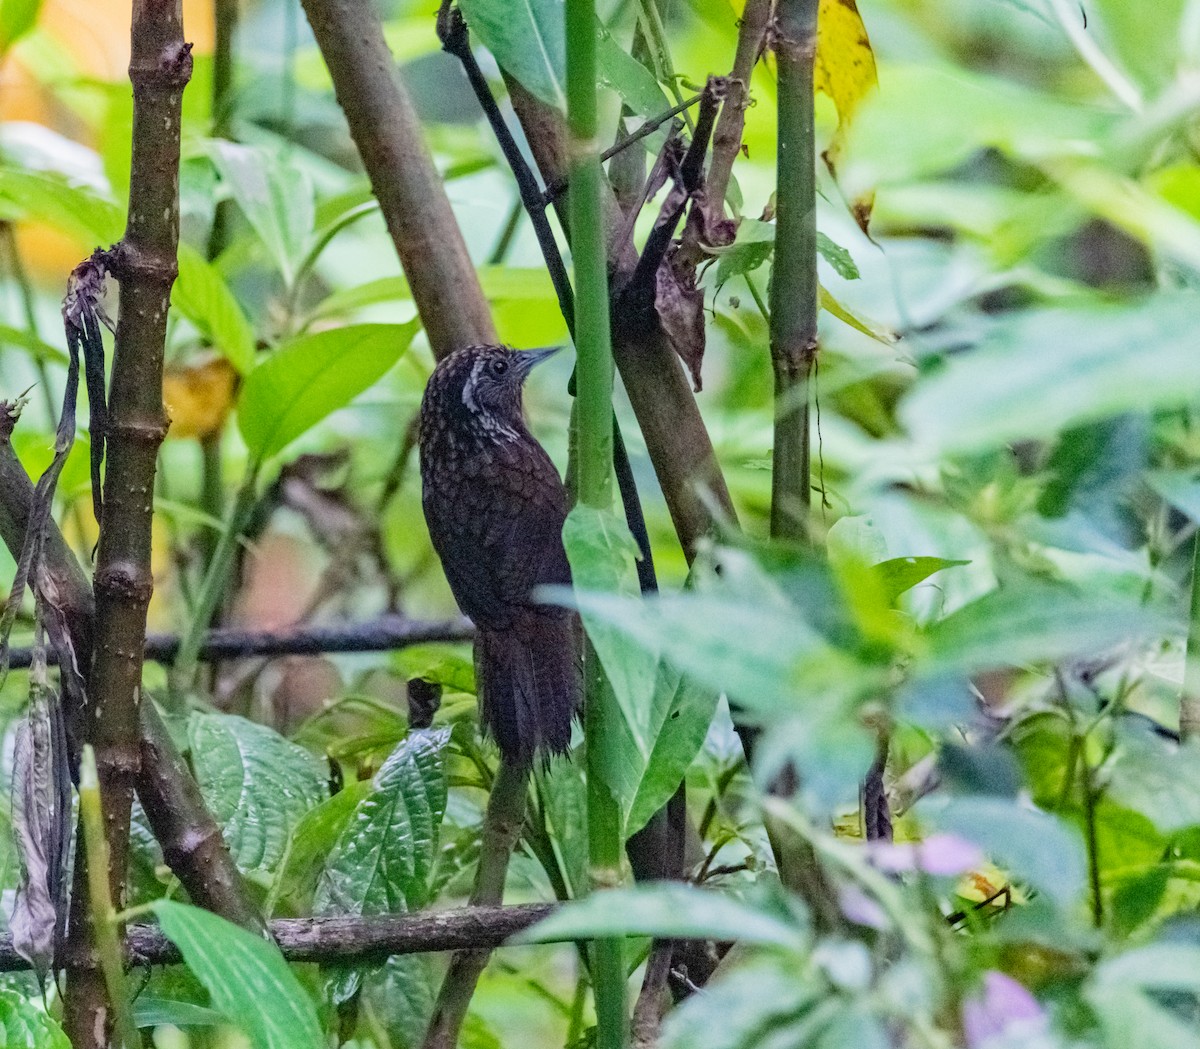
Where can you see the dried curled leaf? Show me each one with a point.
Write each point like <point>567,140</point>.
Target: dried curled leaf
<point>41,809</point>
<point>680,307</point>
<point>845,71</point>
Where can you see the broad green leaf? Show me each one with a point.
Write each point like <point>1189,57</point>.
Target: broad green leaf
<point>528,38</point>
<point>17,17</point>
<point>24,1025</point>
<point>152,1011</point>
<point>1180,488</point>
<point>892,140</point>
<point>276,197</point>
<point>202,296</point>
<point>385,852</point>
<point>687,710</point>
<point>759,996</point>
<point>899,574</point>
<point>401,994</point>
<point>762,654</point>
<point>837,257</point>
<point>256,783</point>
<point>753,245</point>
<point>1154,967</point>
<point>1039,372</point>
<point>671,911</point>
<point>1130,1017</point>
<point>309,377</point>
<point>314,837</point>
<point>619,70</point>
<point>75,209</point>
<point>603,556</point>
<point>246,977</point>
<point>499,283</point>
<point>1030,621</point>
<point>1032,845</point>
<point>1157,778</point>
<point>29,342</point>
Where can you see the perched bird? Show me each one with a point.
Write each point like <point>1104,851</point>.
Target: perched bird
<point>495,507</point>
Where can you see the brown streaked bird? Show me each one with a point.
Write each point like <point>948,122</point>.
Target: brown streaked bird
<point>495,507</point>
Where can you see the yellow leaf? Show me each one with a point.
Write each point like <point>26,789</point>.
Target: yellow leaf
<point>198,397</point>
<point>845,71</point>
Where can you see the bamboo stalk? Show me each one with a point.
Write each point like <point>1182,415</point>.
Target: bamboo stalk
<point>794,291</point>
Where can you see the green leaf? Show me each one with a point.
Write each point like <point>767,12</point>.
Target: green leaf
<point>450,666</point>
<point>1180,488</point>
<point>603,556</point>
<point>669,911</point>
<point>838,257</point>
<point>24,1025</point>
<point>246,977</point>
<point>499,283</point>
<point>1161,780</point>
<point>314,837</point>
<point>900,574</point>
<point>256,783</point>
<point>309,377</point>
<point>29,342</point>
<point>202,296</point>
<point>528,38</point>
<point>760,996</point>
<point>152,1011</point>
<point>275,196</point>
<point>1043,371</point>
<point>1129,1017</point>
<point>687,710</point>
<point>619,70</point>
<point>384,855</point>
<point>17,17</point>
<point>753,245</point>
<point>1031,621</point>
<point>57,201</point>
<point>1031,844</point>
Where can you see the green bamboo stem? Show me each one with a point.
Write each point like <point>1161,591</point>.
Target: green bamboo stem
<point>794,289</point>
<point>1189,703</point>
<point>594,373</point>
<point>104,918</point>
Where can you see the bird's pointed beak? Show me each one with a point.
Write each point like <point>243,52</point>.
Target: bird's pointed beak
<point>527,360</point>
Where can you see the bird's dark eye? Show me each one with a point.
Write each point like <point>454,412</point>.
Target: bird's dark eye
<point>499,366</point>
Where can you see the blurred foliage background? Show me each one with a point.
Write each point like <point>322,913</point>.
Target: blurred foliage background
<point>1007,390</point>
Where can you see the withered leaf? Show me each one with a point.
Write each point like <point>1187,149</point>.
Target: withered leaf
<point>680,307</point>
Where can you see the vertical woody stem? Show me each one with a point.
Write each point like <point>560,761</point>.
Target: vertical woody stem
<point>144,263</point>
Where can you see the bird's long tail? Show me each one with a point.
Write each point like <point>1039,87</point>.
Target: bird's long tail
<point>530,684</point>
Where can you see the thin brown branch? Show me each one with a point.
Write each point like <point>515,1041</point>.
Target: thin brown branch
<point>144,263</point>
<point>348,941</point>
<point>387,132</point>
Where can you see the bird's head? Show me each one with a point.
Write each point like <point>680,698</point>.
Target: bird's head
<point>479,388</point>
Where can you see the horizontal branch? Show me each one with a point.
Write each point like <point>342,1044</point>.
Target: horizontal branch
<point>346,940</point>
<point>378,635</point>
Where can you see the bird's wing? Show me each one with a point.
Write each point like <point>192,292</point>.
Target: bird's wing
<point>499,534</point>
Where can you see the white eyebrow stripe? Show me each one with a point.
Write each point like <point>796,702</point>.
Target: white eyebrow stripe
<point>468,394</point>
